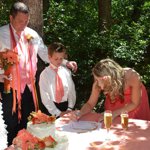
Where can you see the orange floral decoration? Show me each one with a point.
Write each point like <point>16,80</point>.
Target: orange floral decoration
<point>7,60</point>
<point>26,141</point>
<point>49,141</point>
<point>39,117</point>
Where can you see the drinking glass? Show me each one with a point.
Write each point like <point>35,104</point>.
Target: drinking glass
<point>107,122</point>
<point>124,123</point>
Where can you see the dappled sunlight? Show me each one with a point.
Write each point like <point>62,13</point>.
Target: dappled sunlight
<point>112,145</point>
<point>137,136</point>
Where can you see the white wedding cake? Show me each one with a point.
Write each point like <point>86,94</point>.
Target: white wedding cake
<point>41,125</point>
<point>40,134</point>
<point>41,130</point>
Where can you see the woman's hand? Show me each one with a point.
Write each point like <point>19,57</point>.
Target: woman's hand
<point>64,113</point>
<point>72,115</point>
<point>96,86</point>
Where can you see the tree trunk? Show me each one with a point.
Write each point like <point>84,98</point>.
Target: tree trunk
<point>36,15</point>
<point>104,14</point>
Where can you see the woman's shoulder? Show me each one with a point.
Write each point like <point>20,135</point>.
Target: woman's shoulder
<point>130,72</point>
<point>131,76</point>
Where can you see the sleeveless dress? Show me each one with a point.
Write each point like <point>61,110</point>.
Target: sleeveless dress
<point>3,132</point>
<point>141,112</point>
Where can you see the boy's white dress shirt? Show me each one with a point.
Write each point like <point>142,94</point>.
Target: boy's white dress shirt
<point>47,89</point>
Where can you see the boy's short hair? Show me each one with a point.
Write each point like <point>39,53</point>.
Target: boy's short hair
<point>56,47</point>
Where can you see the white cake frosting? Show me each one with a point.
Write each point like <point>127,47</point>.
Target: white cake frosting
<point>41,130</point>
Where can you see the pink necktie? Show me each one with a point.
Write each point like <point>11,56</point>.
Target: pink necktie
<point>59,88</point>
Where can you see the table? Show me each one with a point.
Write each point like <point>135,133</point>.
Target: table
<point>137,136</point>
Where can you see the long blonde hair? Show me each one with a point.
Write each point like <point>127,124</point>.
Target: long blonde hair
<point>108,67</point>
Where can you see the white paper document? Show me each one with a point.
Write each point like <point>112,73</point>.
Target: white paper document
<point>79,126</point>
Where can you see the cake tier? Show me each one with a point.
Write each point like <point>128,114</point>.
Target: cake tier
<point>41,130</point>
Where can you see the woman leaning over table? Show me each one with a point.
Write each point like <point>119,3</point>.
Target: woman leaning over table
<point>122,88</point>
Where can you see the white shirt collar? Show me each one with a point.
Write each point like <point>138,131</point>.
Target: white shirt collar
<point>54,67</point>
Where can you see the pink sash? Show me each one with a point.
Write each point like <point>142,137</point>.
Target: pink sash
<point>18,77</point>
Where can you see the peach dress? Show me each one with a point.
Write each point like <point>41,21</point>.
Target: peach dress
<point>141,112</point>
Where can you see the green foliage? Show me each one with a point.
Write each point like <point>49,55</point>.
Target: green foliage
<point>70,23</point>
<point>75,24</point>
<point>131,33</point>
<point>4,12</point>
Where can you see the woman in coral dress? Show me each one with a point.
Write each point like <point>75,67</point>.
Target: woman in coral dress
<point>123,89</point>
<point>141,112</point>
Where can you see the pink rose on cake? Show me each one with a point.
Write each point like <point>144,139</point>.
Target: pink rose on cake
<point>26,141</point>
<point>49,141</point>
<point>39,117</point>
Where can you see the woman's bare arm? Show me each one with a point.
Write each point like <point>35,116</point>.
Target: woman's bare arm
<point>92,101</point>
<point>133,81</point>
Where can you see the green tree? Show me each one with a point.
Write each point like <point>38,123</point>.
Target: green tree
<point>76,24</point>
